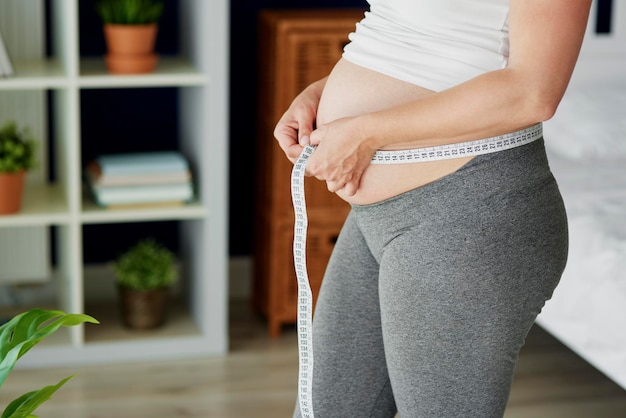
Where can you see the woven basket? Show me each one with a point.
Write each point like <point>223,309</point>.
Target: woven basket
<point>143,309</point>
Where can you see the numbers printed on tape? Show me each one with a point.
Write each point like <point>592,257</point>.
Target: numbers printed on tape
<point>305,299</point>
<point>305,302</point>
<point>463,149</point>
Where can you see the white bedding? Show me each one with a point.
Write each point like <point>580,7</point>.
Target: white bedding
<point>591,123</point>
<point>586,143</point>
<point>588,309</point>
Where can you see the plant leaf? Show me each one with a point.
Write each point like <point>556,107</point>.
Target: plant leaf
<point>25,405</point>
<point>25,330</point>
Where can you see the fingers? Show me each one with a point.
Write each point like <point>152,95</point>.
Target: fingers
<point>350,188</point>
<point>339,159</point>
<point>293,152</point>
<point>346,188</point>
<point>292,134</point>
<point>305,140</point>
<point>304,133</point>
<point>287,138</point>
<point>286,134</point>
<point>344,178</point>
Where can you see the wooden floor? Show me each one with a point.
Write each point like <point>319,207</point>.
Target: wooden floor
<point>258,379</point>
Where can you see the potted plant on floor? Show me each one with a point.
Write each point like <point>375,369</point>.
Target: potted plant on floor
<point>17,156</point>
<point>130,30</point>
<point>144,275</point>
<point>21,334</point>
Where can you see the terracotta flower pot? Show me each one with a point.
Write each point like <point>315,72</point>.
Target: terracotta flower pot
<point>131,64</point>
<point>130,48</point>
<point>11,190</point>
<point>143,309</point>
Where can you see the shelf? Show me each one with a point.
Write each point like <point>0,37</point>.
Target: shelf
<point>41,205</point>
<point>178,324</point>
<point>48,74</point>
<point>93,214</point>
<point>170,71</point>
<point>35,74</point>
<point>55,97</point>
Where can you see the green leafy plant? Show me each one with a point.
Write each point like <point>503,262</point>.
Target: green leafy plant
<point>17,149</point>
<point>17,337</point>
<point>145,266</point>
<point>129,12</point>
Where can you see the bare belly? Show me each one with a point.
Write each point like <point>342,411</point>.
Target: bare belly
<point>352,90</point>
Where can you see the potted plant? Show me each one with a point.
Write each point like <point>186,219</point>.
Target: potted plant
<point>21,334</point>
<point>130,30</point>
<point>17,156</point>
<point>144,275</point>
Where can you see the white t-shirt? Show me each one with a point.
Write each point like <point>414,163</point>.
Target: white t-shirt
<point>435,44</point>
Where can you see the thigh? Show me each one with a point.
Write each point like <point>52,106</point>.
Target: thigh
<point>451,349</point>
<point>349,374</point>
<point>459,293</point>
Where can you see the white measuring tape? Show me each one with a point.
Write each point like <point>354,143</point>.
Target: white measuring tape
<point>305,298</point>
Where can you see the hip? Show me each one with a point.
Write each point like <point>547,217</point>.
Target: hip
<point>511,187</point>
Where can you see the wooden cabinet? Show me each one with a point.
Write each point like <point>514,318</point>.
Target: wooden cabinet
<point>296,48</point>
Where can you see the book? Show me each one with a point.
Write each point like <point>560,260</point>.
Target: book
<point>147,163</point>
<point>149,178</point>
<point>6,68</point>
<point>105,196</point>
<point>149,205</point>
<point>96,178</point>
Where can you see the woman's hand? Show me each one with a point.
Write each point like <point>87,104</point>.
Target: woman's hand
<point>295,126</point>
<point>342,155</point>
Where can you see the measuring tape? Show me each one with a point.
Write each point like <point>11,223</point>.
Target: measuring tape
<point>305,298</point>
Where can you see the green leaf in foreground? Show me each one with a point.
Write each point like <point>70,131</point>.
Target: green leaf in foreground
<point>25,405</point>
<point>21,334</point>
<point>25,330</point>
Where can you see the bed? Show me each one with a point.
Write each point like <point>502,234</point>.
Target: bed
<point>586,143</point>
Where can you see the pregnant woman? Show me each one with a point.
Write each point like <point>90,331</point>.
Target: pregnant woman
<point>441,267</point>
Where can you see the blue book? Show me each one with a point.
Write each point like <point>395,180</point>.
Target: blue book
<point>142,163</point>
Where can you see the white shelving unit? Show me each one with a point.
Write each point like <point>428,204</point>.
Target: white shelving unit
<point>200,75</point>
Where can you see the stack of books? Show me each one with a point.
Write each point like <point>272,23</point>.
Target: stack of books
<point>6,68</point>
<point>151,178</point>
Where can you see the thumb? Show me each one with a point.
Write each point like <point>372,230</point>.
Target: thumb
<point>304,136</point>
<point>315,137</point>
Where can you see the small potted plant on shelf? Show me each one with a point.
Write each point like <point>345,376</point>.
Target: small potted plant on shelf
<point>130,30</point>
<point>144,275</point>
<point>17,156</point>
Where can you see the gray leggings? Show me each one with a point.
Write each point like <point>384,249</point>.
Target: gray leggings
<point>429,295</point>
